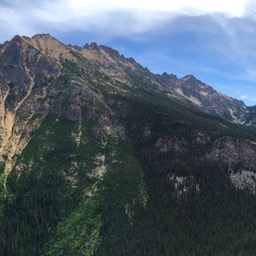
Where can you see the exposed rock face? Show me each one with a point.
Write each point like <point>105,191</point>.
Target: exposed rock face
<point>244,180</point>
<point>235,157</point>
<point>183,184</point>
<point>112,63</point>
<point>207,98</point>
<point>33,85</point>
<point>23,70</point>
<point>204,96</point>
<point>233,154</point>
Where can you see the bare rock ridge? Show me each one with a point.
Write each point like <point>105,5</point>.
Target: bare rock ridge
<point>30,70</point>
<point>112,63</point>
<point>188,87</point>
<point>209,99</point>
<point>21,65</point>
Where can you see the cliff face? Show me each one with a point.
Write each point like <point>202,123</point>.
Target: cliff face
<point>234,157</point>
<point>25,74</point>
<point>34,83</point>
<point>233,154</point>
<point>96,151</point>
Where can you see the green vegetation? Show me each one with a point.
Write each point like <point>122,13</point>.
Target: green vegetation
<point>78,233</point>
<point>54,205</point>
<point>215,219</point>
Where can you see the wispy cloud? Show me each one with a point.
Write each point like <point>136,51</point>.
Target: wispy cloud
<point>131,16</point>
<point>244,97</point>
<point>250,100</point>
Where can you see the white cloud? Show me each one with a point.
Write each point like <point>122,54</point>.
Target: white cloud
<point>133,16</point>
<point>230,7</point>
<point>245,77</point>
<point>251,73</point>
<point>244,97</point>
<point>247,99</point>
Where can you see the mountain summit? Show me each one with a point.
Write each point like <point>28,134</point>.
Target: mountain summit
<point>100,156</point>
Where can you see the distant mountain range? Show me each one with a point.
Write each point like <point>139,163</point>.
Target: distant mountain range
<point>100,156</point>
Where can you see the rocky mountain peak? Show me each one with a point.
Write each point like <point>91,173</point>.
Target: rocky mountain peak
<point>191,81</point>
<point>105,53</point>
<point>23,67</point>
<point>15,41</point>
<point>50,46</point>
<point>92,46</point>
<point>102,49</point>
<point>109,55</point>
<point>169,79</point>
<point>45,36</point>
<point>111,62</point>
<point>17,38</point>
<point>113,53</point>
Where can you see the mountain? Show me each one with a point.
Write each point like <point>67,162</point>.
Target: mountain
<point>99,156</point>
<point>112,63</point>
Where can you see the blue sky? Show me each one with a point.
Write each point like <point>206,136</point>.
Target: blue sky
<point>213,40</point>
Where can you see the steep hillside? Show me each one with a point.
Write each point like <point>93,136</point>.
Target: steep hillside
<point>99,156</point>
<point>201,95</point>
